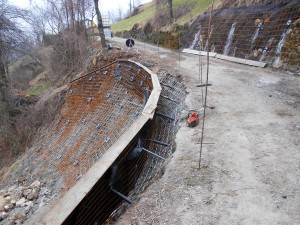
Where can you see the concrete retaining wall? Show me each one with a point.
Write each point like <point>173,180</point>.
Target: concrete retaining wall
<point>74,196</point>
<point>227,58</point>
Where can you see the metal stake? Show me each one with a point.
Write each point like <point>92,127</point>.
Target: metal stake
<point>205,97</point>
<point>179,48</point>
<point>153,153</point>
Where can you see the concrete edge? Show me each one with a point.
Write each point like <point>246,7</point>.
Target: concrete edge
<point>65,205</point>
<point>241,61</point>
<point>227,58</point>
<point>155,93</point>
<point>195,52</point>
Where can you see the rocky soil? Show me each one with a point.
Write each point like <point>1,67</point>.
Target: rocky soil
<point>237,3</point>
<point>18,202</point>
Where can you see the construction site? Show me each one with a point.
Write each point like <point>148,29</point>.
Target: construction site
<point>122,149</point>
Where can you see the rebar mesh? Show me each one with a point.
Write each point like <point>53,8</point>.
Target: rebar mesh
<point>134,173</point>
<point>99,107</point>
<point>161,132</point>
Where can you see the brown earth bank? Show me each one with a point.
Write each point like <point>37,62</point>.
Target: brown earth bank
<point>230,3</point>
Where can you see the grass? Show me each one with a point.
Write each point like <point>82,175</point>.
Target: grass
<point>197,7</point>
<point>149,11</point>
<point>37,90</point>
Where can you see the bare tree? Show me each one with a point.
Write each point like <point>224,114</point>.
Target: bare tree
<point>64,27</point>
<point>111,16</point>
<point>130,7</point>
<point>170,3</point>
<point>120,13</point>
<point>11,38</point>
<point>38,24</point>
<point>100,24</point>
<point>164,9</point>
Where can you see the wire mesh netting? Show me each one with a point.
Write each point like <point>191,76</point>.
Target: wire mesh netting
<point>98,109</point>
<point>133,169</point>
<point>160,138</point>
<point>265,33</point>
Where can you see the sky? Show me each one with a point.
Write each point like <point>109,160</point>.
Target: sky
<point>105,5</point>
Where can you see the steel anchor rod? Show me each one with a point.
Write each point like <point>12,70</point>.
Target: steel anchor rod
<point>153,153</point>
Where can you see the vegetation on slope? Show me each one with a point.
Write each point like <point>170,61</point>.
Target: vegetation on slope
<point>196,8</point>
<point>184,11</point>
<point>148,11</point>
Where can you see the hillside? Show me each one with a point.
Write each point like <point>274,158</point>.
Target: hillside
<point>184,11</point>
<point>144,13</point>
<point>258,30</point>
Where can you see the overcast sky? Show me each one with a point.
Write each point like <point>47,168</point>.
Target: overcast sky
<point>105,5</point>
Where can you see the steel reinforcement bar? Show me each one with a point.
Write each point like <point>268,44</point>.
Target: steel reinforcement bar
<point>72,201</point>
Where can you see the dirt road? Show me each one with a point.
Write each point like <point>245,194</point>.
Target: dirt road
<point>251,172</point>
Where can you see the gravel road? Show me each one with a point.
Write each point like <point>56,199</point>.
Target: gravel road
<point>250,174</point>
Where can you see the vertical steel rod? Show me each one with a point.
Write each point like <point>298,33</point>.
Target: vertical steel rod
<point>205,97</point>
<point>144,58</point>
<point>179,48</point>
<point>200,66</point>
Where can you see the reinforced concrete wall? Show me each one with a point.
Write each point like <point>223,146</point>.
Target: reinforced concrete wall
<point>102,115</point>
<point>118,92</point>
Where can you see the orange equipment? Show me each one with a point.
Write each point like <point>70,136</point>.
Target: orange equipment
<point>193,119</point>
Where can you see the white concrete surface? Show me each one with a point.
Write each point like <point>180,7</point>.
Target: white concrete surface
<point>195,52</point>
<point>227,58</point>
<point>241,61</point>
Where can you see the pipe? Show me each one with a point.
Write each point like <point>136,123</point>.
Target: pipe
<point>125,198</point>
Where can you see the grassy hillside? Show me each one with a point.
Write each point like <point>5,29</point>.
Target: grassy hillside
<point>148,12</point>
<point>188,8</point>
<point>197,7</point>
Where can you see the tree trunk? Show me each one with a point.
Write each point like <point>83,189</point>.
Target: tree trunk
<point>130,7</point>
<point>171,10</point>
<point>3,92</point>
<point>67,15</point>
<point>72,14</point>
<point>100,24</point>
